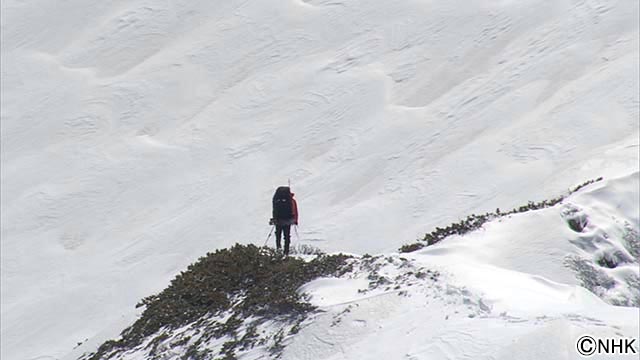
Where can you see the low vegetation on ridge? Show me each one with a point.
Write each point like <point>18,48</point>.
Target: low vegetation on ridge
<point>217,294</point>
<point>474,222</point>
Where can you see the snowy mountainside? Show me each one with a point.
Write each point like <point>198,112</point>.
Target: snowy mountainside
<point>138,135</point>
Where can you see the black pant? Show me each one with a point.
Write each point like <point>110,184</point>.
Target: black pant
<point>287,237</point>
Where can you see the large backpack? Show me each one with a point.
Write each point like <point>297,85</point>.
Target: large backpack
<point>282,205</point>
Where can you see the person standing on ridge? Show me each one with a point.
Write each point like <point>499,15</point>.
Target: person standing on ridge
<point>285,214</point>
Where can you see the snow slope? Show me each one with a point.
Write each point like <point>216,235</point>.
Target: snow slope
<point>137,135</point>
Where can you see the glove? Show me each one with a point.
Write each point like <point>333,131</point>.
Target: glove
<point>271,222</point>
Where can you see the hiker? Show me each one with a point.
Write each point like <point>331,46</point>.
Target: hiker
<point>285,214</point>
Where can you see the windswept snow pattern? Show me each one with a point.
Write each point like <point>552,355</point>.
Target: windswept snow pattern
<point>138,135</point>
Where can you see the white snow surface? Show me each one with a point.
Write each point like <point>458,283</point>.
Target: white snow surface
<point>138,135</point>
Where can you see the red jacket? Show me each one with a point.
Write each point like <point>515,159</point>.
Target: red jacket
<point>294,205</point>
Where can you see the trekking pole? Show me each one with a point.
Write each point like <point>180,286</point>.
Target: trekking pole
<point>268,237</point>
<point>295,228</point>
